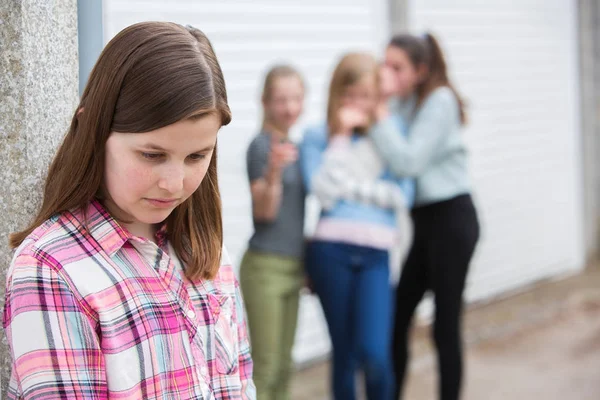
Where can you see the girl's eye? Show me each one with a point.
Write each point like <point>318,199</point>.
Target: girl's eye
<point>152,156</point>
<point>197,157</point>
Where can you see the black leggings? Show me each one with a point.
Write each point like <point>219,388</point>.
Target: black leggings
<point>445,235</point>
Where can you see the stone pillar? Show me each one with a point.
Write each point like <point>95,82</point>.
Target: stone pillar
<point>589,61</point>
<point>398,10</point>
<point>38,93</point>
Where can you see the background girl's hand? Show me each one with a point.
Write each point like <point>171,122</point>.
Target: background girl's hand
<point>282,154</point>
<point>350,119</point>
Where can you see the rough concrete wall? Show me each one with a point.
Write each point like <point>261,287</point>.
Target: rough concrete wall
<point>38,93</point>
<point>589,36</point>
<point>398,15</point>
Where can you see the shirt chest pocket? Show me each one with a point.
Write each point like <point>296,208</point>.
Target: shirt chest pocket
<point>224,343</point>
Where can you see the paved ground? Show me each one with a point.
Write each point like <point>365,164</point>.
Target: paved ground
<point>542,344</point>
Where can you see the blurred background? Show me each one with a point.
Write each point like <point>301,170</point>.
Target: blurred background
<point>530,73</point>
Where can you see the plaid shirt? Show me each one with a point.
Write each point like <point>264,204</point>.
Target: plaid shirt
<point>102,314</point>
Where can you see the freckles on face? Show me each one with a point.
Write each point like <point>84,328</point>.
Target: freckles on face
<point>133,172</point>
<point>126,178</point>
<point>138,179</point>
<point>148,174</point>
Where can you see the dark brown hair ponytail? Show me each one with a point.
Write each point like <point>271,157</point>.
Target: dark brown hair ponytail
<point>426,50</point>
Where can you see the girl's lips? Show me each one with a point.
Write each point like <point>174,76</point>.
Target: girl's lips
<point>162,203</point>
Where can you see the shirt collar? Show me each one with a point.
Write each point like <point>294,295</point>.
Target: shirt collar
<point>109,233</point>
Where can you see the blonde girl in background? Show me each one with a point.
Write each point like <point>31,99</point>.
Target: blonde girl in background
<point>272,269</point>
<point>348,259</point>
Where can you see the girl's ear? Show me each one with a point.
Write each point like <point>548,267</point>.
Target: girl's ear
<point>80,111</point>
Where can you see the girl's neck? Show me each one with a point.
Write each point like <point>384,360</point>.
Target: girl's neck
<point>141,230</point>
<point>275,131</point>
<point>135,228</point>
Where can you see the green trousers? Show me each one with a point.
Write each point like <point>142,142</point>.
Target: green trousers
<point>271,288</point>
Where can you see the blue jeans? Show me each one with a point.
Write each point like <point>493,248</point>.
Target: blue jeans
<point>352,283</point>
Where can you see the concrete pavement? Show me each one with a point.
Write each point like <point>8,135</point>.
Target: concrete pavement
<point>541,344</point>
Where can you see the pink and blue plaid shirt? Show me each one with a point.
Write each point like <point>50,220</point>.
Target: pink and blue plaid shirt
<point>102,314</point>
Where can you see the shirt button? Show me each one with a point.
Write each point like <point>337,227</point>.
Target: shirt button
<point>164,264</point>
<point>191,314</point>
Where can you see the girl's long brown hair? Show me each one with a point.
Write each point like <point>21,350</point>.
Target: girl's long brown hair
<point>349,71</point>
<point>150,75</point>
<point>427,51</point>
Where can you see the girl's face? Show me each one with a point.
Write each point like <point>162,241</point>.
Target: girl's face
<point>362,96</point>
<point>388,82</point>
<point>285,103</point>
<point>408,76</point>
<point>148,174</point>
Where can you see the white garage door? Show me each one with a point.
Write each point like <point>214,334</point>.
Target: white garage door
<point>248,37</point>
<point>515,63</point>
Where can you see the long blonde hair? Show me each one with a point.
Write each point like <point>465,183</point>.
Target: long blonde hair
<point>350,70</point>
<point>149,76</point>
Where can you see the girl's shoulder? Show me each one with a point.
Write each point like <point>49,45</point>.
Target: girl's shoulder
<point>46,238</point>
<point>442,96</point>
<point>47,246</point>
<point>259,143</point>
<point>443,101</point>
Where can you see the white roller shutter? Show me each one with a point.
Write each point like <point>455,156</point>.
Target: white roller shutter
<point>248,37</point>
<point>516,64</point>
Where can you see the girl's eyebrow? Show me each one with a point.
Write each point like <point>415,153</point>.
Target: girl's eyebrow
<point>156,147</point>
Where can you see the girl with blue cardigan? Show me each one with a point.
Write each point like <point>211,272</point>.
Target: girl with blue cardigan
<point>348,259</point>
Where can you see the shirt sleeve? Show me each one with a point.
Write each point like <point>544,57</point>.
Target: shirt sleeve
<point>52,338</point>
<point>312,147</point>
<point>257,158</point>
<point>334,181</point>
<point>408,156</point>
<point>329,181</point>
<point>245,358</point>
<point>381,193</point>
